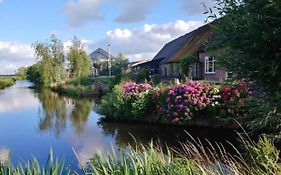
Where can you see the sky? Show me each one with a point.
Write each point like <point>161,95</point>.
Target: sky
<point>136,28</point>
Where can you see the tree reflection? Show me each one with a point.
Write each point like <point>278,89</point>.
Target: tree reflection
<point>133,133</point>
<point>57,110</point>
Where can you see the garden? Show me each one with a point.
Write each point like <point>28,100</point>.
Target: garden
<point>176,104</point>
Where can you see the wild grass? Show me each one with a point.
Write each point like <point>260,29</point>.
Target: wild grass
<point>193,158</point>
<point>258,158</point>
<point>6,82</point>
<point>53,166</point>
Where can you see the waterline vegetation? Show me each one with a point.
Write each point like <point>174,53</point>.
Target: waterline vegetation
<point>6,81</point>
<point>256,158</point>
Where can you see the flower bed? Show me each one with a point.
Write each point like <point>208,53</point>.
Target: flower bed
<point>174,104</point>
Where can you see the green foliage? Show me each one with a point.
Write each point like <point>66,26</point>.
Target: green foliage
<point>51,62</point>
<point>185,64</point>
<point>33,73</point>
<point>21,73</point>
<point>32,167</point>
<point>250,34</point>
<point>80,64</point>
<point>6,82</point>
<point>155,79</point>
<point>260,158</point>
<point>118,64</point>
<point>119,106</point>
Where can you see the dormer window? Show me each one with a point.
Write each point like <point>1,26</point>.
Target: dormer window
<point>210,65</point>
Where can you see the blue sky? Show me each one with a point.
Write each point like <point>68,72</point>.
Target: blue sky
<point>137,28</point>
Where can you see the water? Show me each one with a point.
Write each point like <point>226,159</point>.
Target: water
<point>31,123</point>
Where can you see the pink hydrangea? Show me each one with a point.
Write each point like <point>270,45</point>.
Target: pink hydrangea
<point>135,89</point>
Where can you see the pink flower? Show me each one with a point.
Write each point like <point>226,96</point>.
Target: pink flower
<point>235,91</point>
<point>175,120</point>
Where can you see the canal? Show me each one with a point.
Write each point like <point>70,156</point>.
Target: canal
<point>32,123</point>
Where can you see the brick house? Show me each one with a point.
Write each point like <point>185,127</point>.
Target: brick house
<point>190,44</point>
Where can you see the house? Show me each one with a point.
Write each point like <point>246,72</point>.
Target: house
<point>190,44</point>
<point>166,53</point>
<point>101,61</point>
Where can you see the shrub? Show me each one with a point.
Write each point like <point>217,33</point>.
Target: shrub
<point>6,82</point>
<point>128,101</point>
<point>234,96</point>
<point>180,103</point>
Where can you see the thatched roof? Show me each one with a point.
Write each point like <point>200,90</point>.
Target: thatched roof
<point>194,44</point>
<point>171,48</point>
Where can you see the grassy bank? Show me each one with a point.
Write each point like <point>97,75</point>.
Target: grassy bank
<point>85,86</point>
<point>6,82</point>
<point>258,158</point>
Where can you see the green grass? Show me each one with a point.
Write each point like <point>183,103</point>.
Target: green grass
<point>32,167</point>
<point>86,86</point>
<point>258,158</point>
<point>6,82</point>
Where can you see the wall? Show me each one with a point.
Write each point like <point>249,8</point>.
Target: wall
<point>220,72</point>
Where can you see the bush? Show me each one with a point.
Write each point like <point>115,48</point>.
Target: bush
<point>155,79</point>
<point>128,101</point>
<point>181,103</point>
<point>6,82</point>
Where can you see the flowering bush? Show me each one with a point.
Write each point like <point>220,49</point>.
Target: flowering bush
<point>127,101</point>
<point>233,97</point>
<point>180,102</point>
<point>135,89</point>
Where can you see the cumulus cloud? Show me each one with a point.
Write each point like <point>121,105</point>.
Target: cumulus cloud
<point>134,10</point>
<point>14,55</point>
<point>145,42</point>
<point>195,7</point>
<point>80,12</point>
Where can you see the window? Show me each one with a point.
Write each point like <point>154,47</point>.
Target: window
<point>210,65</point>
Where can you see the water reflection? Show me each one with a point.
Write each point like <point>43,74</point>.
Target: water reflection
<point>125,134</point>
<point>57,111</point>
<point>17,97</point>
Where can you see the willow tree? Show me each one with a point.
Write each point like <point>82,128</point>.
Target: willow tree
<point>79,61</point>
<point>51,61</point>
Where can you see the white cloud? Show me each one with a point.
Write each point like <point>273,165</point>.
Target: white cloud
<point>85,43</point>
<point>134,10</point>
<point>145,42</point>
<point>195,7</point>
<point>14,55</point>
<point>80,12</point>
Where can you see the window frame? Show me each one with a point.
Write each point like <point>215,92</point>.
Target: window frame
<point>207,63</point>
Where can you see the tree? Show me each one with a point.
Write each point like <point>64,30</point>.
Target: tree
<point>250,33</point>
<point>80,64</point>
<point>119,63</point>
<point>185,64</point>
<point>33,73</point>
<point>21,73</point>
<point>51,61</point>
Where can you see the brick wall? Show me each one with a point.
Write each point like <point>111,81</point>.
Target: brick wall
<point>220,72</point>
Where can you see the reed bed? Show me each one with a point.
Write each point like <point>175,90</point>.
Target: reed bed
<point>193,158</point>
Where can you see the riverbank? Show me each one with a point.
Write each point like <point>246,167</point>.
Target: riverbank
<point>6,82</point>
<point>85,86</point>
<point>194,103</point>
<point>191,103</point>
